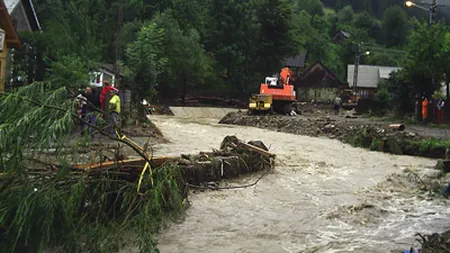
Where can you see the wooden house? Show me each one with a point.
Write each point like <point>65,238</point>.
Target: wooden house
<point>8,39</point>
<point>317,83</point>
<point>23,15</point>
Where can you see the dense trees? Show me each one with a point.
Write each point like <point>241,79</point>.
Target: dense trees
<point>395,26</point>
<point>228,46</point>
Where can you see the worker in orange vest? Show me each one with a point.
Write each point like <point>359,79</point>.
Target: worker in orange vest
<point>424,110</point>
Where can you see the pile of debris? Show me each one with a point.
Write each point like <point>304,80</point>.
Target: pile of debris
<point>435,243</point>
<point>386,138</point>
<point>315,126</point>
<point>234,158</point>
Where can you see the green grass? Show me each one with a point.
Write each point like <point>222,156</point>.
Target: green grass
<point>431,145</point>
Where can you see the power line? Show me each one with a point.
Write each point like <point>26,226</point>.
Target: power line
<point>386,50</point>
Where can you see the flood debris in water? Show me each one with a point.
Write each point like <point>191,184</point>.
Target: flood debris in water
<point>435,243</point>
<point>234,158</point>
<point>110,195</point>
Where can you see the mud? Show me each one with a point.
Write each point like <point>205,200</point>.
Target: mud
<point>324,196</point>
<point>358,132</point>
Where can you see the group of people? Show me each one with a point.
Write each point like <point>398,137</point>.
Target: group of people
<point>436,107</point>
<point>105,101</point>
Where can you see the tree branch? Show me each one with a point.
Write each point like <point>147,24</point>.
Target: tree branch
<point>101,131</point>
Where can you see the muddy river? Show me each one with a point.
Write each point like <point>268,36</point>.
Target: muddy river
<point>305,205</point>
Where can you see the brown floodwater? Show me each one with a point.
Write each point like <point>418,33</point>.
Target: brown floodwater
<point>305,204</point>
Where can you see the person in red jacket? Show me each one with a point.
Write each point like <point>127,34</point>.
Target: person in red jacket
<point>106,87</point>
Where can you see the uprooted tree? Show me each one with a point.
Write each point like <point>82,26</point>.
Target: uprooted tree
<point>46,203</point>
<point>55,195</point>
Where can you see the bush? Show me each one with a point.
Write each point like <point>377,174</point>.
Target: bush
<point>383,99</point>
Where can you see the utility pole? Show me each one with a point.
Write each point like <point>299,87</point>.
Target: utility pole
<point>118,44</point>
<point>355,71</point>
<point>433,11</point>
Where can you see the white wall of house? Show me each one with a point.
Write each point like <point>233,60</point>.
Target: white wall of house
<point>369,75</point>
<point>97,78</point>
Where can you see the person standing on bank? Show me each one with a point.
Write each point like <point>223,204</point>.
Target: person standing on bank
<point>440,111</point>
<point>425,110</point>
<point>114,110</point>
<point>337,103</point>
<point>104,95</point>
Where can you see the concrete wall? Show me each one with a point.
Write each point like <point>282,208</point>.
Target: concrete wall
<point>319,94</point>
<point>201,112</point>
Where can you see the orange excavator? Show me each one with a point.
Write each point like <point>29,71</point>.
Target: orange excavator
<point>276,94</point>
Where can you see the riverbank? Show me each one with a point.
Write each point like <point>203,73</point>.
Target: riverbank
<point>360,133</point>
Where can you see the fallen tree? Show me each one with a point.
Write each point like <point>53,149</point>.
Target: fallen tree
<point>60,202</point>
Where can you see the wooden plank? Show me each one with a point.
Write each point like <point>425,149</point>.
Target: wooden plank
<point>258,150</point>
<point>156,162</point>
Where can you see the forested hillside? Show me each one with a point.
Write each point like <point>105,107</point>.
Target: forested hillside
<point>176,46</point>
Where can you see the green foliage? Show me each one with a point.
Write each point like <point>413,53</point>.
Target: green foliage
<point>230,44</point>
<point>69,71</point>
<point>383,98</point>
<point>360,139</point>
<point>44,208</point>
<point>60,209</point>
<point>278,34</point>
<point>313,7</point>
<point>376,145</point>
<point>346,15</point>
<point>25,125</point>
<point>231,39</point>
<point>425,64</point>
<point>144,61</point>
<point>395,26</point>
<point>187,61</point>
<point>431,145</point>
<point>403,94</point>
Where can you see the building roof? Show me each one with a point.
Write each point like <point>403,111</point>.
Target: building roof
<point>386,71</point>
<point>344,33</point>
<point>368,75</point>
<point>110,68</point>
<point>29,10</point>
<point>297,61</point>
<point>331,74</point>
<point>12,38</point>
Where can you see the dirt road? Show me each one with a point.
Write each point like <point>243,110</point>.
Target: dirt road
<point>305,205</point>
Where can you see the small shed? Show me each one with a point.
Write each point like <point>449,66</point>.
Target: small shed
<point>340,36</point>
<point>104,73</point>
<point>317,83</point>
<point>369,76</point>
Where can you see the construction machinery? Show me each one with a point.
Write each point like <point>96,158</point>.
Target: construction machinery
<point>349,99</point>
<point>276,94</point>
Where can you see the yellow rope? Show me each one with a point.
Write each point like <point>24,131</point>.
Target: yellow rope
<point>147,165</point>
